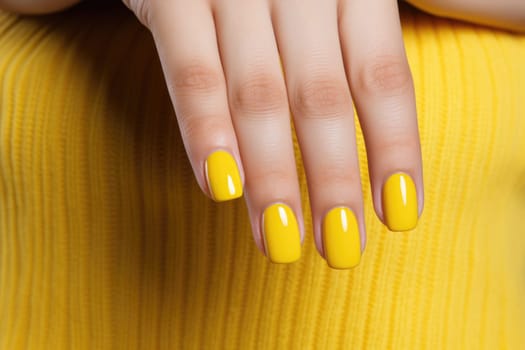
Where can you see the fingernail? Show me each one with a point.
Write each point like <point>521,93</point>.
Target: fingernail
<point>400,202</point>
<point>341,240</point>
<point>223,176</point>
<point>281,234</point>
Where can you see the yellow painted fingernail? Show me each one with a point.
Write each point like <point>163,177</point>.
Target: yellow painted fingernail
<point>223,176</point>
<point>341,240</point>
<point>400,203</point>
<point>281,234</point>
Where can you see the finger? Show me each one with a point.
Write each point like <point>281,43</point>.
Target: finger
<point>259,108</point>
<point>197,87</point>
<point>322,107</point>
<point>383,91</point>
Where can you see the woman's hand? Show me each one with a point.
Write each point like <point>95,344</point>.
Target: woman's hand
<point>222,63</point>
<point>236,68</point>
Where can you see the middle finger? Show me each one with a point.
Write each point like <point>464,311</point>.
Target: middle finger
<point>260,113</point>
<point>319,96</point>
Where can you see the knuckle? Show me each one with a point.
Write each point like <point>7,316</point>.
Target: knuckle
<point>335,175</point>
<point>386,75</point>
<point>271,180</point>
<point>402,145</point>
<point>198,128</point>
<point>321,98</point>
<point>260,94</point>
<point>195,79</point>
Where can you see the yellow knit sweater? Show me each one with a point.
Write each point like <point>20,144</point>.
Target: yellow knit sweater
<point>106,241</point>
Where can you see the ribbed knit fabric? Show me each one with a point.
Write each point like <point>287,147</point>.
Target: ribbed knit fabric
<point>106,241</point>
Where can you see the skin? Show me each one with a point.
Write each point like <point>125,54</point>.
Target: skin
<point>506,14</point>
<point>229,92</point>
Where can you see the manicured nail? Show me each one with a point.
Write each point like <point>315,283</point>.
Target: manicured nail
<point>223,176</point>
<point>341,241</point>
<point>400,203</point>
<point>281,234</point>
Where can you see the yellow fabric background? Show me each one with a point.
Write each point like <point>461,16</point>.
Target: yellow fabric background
<point>106,241</point>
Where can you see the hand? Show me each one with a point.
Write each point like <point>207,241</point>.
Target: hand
<point>221,61</point>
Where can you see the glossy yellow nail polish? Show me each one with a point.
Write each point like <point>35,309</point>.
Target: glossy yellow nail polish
<point>400,203</point>
<point>342,244</point>
<point>281,234</point>
<point>223,176</point>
